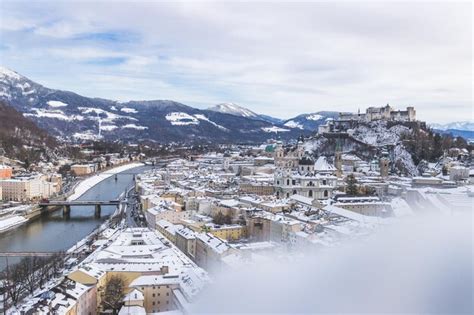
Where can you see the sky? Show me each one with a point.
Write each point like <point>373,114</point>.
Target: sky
<point>275,58</point>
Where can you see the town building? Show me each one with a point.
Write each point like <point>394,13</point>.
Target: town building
<point>5,172</point>
<point>83,169</point>
<point>28,187</point>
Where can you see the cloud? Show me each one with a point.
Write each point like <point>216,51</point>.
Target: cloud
<point>277,58</point>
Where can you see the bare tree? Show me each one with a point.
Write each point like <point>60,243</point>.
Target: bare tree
<point>113,294</point>
<point>13,284</point>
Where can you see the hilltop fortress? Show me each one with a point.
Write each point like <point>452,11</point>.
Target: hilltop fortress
<point>381,113</point>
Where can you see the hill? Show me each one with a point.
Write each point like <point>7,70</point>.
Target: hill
<point>22,139</point>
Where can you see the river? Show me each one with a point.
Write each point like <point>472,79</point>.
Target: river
<point>53,232</point>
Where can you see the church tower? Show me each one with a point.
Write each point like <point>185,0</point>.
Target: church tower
<point>338,158</point>
<point>384,164</point>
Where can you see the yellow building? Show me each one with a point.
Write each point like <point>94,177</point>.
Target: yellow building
<point>83,169</point>
<point>88,275</point>
<point>227,232</point>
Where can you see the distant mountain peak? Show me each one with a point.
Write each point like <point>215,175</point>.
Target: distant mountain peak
<point>233,109</point>
<point>458,125</point>
<point>7,73</point>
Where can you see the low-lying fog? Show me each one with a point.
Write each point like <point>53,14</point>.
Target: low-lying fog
<point>418,265</point>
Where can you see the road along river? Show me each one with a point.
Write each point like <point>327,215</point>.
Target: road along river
<point>54,232</point>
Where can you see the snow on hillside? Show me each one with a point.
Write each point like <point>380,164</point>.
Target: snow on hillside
<point>314,144</point>
<point>133,126</point>
<point>404,161</point>
<point>108,127</point>
<point>110,117</point>
<point>56,104</point>
<point>53,113</point>
<point>314,117</point>
<point>233,109</point>
<point>293,124</point>
<point>377,134</point>
<point>181,119</point>
<point>129,110</point>
<point>202,117</point>
<point>9,74</point>
<point>274,129</point>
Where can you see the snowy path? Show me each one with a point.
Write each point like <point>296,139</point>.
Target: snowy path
<point>90,182</point>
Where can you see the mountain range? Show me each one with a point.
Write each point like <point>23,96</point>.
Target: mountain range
<point>68,115</point>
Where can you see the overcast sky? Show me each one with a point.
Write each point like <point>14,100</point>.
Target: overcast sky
<point>280,59</point>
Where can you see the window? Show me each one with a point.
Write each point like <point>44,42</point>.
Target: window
<point>310,193</point>
<point>167,294</point>
<point>294,192</point>
<point>288,182</point>
<point>153,303</point>
<point>294,182</point>
<point>278,182</point>
<point>326,193</point>
<point>153,294</point>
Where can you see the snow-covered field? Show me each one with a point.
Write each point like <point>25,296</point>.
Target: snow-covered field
<point>314,117</point>
<point>128,110</point>
<point>293,124</point>
<point>110,116</point>
<point>56,104</point>
<point>133,126</point>
<point>274,129</point>
<point>108,127</point>
<point>202,117</point>
<point>90,182</point>
<point>181,119</point>
<point>53,113</point>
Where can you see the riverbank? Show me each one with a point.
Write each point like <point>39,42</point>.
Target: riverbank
<point>54,232</point>
<point>9,222</point>
<point>90,182</point>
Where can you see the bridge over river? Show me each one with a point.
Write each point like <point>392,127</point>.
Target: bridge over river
<point>54,232</point>
<point>66,205</point>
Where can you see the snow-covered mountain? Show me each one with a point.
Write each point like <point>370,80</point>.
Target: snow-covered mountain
<point>237,110</point>
<point>69,115</point>
<point>310,122</point>
<point>458,125</point>
<point>233,109</point>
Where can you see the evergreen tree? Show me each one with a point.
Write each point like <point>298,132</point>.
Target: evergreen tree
<point>351,188</point>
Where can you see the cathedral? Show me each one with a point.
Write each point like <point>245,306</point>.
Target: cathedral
<point>297,174</point>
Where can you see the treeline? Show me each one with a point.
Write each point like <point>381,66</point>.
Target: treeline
<point>424,144</point>
<point>30,274</point>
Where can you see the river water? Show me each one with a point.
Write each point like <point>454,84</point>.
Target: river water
<point>53,232</point>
